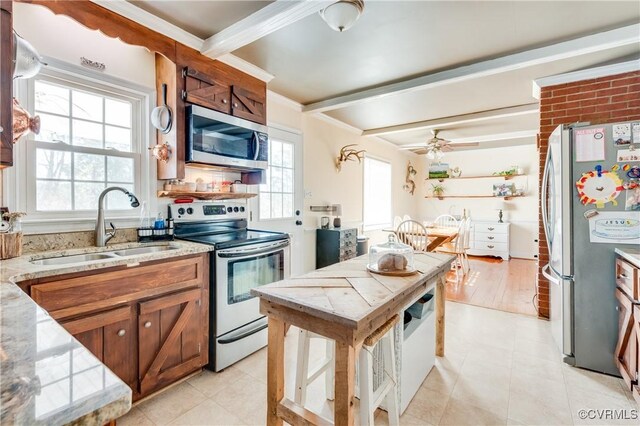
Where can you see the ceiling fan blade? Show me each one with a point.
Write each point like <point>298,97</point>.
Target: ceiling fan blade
<point>446,148</point>
<point>412,146</point>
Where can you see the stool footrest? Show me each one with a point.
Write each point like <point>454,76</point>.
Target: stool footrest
<point>294,414</point>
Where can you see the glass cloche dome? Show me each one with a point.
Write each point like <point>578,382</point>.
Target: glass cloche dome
<point>392,257</point>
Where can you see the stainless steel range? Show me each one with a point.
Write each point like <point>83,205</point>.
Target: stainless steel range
<point>242,259</point>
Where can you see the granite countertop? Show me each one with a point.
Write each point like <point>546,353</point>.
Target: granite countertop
<point>630,254</point>
<point>47,376</point>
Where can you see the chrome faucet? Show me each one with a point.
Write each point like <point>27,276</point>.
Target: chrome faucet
<point>102,236</point>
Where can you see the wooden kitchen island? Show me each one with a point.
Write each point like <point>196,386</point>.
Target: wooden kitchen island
<point>346,303</point>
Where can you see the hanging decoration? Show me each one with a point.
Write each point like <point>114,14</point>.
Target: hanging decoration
<point>599,187</point>
<point>347,153</point>
<point>162,152</point>
<point>410,185</point>
<point>23,122</point>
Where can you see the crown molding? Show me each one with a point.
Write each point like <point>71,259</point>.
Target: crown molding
<point>283,100</point>
<point>586,74</point>
<point>151,21</point>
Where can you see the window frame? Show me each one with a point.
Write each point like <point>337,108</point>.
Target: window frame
<point>377,226</point>
<point>282,138</point>
<point>19,184</point>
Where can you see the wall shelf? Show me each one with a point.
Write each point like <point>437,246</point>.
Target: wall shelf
<point>207,195</point>
<point>505,197</point>
<point>505,177</point>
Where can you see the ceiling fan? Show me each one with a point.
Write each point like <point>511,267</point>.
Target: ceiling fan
<point>435,147</point>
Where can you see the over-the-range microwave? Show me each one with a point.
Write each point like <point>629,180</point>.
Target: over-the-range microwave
<point>221,140</point>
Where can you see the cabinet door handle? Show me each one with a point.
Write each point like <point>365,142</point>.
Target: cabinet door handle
<point>490,246</point>
<point>147,324</point>
<point>491,238</point>
<point>491,228</point>
<point>622,276</point>
<point>224,101</point>
<point>122,332</point>
<point>235,105</point>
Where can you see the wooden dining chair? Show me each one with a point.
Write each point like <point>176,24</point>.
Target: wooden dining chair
<point>414,234</point>
<point>456,248</point>
<point>446,221</point>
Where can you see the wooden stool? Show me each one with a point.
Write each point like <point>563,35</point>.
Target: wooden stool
<point>387,390</point>
<point>303,378</point>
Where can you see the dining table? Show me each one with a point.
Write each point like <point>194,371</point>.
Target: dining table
<point>346,303</point>
<point>438,235</point>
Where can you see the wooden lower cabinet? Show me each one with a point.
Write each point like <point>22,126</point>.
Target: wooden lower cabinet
<point>170,338</point>
<point>110,336</point>
<point>627,346</point>
<point>149,324</point>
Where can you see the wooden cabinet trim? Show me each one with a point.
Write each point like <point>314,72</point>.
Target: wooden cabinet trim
<point>627,278</point>
<point>81,325</point>
<point>163,302</point>
<point>627,341</point>
<point>6,84</point>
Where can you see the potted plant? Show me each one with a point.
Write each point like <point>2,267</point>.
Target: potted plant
<point>437,189</point>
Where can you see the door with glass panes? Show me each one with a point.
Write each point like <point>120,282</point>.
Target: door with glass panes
<point>279,205</point>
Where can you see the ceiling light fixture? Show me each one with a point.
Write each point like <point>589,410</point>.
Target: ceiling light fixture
<point>341,15</point>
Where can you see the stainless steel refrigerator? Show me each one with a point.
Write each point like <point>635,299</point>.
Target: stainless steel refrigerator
<point>581,272</point>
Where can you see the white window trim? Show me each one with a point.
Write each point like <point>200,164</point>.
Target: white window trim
<point>16,181</point>
<point>377,227</point>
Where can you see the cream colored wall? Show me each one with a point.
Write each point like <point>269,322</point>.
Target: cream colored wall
<point>324,185</point>
<point>522,213</point>
<point>61,37</point>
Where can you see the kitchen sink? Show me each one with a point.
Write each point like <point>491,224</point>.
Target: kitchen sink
<point>79,258</point>
<point>144,250</point>
<point>115,254</point>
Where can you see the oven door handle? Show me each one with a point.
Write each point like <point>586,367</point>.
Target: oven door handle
<point>230,253</point>
<point>242,335</point>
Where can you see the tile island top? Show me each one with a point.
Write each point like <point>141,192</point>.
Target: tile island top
<point>347,293</point>
<point>46,375</point>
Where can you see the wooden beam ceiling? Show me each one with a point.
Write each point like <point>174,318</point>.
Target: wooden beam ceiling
<point>606,40</point>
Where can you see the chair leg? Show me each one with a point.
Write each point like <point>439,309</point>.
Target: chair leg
<point>302,368</point>
<point>366,386</point>
<point>329,375</point>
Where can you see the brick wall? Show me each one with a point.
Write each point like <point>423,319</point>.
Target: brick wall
<point>598,101</point>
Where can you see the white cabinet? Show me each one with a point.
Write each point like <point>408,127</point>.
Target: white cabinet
<point>489,239</point>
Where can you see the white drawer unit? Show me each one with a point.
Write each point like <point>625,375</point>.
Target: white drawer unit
<point>489,239</point>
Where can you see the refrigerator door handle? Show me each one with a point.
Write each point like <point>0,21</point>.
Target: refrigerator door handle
<point>547,274</point>
<point>543,200</point>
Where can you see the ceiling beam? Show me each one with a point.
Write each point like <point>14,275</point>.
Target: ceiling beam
<point>606,40</point>
<point>456,120</point>
<point>521,134</point>
<point>270,18</point>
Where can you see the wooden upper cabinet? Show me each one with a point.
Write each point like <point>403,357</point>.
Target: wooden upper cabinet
<point>627,347</point>
<point>248,105</point>
<point>171,338</point>
<point>6,84</point>
<point>204,90</point>
<point>110,336</point>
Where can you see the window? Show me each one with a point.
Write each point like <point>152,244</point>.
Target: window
<point>377,194</point>
<point>86,143</point>
<point>277,194</point>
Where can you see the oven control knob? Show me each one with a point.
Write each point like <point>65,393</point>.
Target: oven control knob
<point>181,211</point>
<point>189,210</point>
<point>241,209</point>
<point>229,209</point>
<point>235,209</point>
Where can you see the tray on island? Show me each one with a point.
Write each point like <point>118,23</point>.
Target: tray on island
<point>397,273</point>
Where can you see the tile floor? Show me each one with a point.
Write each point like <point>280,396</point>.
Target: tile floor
<point>500,368</point>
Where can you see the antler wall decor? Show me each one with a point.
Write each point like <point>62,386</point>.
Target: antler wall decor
<point>410,185</point>
<point>346,154</point>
